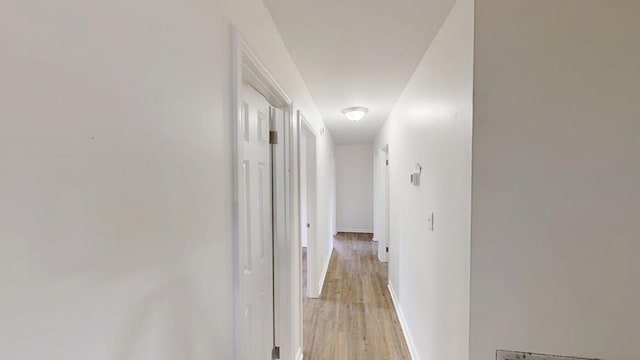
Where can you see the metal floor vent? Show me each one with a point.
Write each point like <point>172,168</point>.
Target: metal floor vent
<point>518,355</point>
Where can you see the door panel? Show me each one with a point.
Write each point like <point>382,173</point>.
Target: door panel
<point>256,292</point>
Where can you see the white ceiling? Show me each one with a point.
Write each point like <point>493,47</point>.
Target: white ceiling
<point>357,53</point>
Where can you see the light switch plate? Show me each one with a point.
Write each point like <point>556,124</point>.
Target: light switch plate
<point>430,221</point>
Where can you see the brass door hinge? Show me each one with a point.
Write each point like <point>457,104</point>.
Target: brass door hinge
<point>273,137</point>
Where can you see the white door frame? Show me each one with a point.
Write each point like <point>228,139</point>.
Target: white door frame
<point>304,182</point>
<point>334,209</point>
<point>376,195</point>
<point>383,204</point>
<point>247,68</point>
<point>313,277</point>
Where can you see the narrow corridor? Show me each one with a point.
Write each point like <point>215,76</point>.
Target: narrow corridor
<point>354,317</point>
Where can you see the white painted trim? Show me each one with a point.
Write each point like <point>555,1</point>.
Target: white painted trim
<point>300,354</point>
<point>315,277</point>
<point>356,230</point>
<point>383,203</point>
<point>296,273</point>
<point>403,323</point>
<point>304,122</point>
<point>248,67</point>
<point>325,269</point>
<point>236,84</point>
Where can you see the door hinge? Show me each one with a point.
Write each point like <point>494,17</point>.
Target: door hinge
<point>387,162</point>
<point>275,354</point>
<point>273,137</point>
<point>387,249</point>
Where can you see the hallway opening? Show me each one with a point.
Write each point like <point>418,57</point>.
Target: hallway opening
<point>354,317</point>
<point>350,313</point>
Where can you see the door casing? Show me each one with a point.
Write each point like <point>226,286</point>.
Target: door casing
<point>382,203</point>
<point>247,68</point>
<point>308,166</point>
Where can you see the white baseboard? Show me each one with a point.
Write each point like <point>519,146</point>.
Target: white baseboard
<point>325,268</point>
<point>403,323</point>
<point>356,230</point>
<point>299,355</point>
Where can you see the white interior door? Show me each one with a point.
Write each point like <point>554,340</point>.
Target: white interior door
<point>304,219</point>
<point>256,246</point>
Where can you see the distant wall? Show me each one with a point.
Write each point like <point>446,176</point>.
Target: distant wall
<point>354,188</point>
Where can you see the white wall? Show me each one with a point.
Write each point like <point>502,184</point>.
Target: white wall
<point>556,171</point>
<point>116,175</point>
<point>354,188</point>
<point>432,124</point>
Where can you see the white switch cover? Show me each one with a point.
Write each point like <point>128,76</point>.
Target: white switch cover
<point>430,221</point>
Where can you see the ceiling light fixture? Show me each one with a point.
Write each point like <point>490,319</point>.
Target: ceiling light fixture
<point>355,113</point>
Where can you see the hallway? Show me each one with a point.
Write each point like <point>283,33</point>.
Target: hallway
<point>354,317</point>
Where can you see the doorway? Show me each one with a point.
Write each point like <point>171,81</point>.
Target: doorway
<point>383,204</point>
<point>308,201</point>
<point>263,203</point>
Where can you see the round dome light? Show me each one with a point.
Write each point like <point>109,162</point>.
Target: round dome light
<point>355,113</point>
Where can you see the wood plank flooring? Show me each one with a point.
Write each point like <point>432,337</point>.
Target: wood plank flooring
<point>354,318</point>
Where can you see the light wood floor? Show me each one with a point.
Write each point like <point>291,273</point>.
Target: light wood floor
<point>354,318</point>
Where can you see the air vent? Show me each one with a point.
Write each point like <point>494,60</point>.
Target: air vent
<point>518,355</point>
